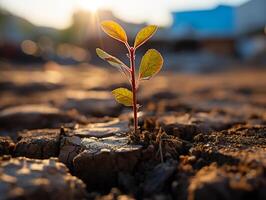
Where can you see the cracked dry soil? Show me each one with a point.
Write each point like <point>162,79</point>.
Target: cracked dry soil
<point>63,137</point>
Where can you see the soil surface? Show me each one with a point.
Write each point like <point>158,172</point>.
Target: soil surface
<point>62,135</point>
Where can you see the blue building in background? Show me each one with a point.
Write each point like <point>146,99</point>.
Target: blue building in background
<point>219,21</point>
<point>230,31</point>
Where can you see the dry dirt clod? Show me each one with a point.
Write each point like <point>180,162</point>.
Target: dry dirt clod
<point>97,160</point>
<point>94,103</point>
<point>99,130</point>
<point>6,145</point>
<point>186,126</point>
<point>40,144</point>
<point>228,182</point>
<point>241,144</point>
<point>23,178</point>
<point>32,117</point>
<point>101,159</point>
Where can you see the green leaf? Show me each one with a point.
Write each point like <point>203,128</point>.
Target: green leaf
<point>115,62</point>
<point>123,96</point>
<point>114,30</point>
<point>151,64</point>
<point>144,34</point>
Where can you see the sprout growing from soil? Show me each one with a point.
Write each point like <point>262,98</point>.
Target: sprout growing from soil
<point>150,64</point>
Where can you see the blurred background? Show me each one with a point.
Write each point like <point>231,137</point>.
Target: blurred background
<point>194,36</point>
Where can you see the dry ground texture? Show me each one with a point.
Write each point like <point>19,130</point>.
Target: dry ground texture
<point>62,135</point>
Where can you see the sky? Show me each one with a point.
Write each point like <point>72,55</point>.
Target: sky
<point>58,13</point>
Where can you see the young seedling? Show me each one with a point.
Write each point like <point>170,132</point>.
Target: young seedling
<point>150,64</point>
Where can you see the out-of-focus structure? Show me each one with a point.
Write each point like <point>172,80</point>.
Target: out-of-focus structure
<point>198,40</point>
<point>251,29</point>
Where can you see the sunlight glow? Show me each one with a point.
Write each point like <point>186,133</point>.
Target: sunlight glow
<point>90,5</point>
<point>58,13</point>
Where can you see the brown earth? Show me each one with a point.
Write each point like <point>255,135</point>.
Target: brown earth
<point>201,136</point>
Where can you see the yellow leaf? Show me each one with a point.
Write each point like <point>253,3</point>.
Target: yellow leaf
<point>151,64</point>
<point>115,62</point>
<point>144,34</point>
<point>123,96</point>
<point>114,30</point>
<point>109,58</point>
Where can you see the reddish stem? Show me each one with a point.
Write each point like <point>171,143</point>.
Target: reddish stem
<point>132,67</point>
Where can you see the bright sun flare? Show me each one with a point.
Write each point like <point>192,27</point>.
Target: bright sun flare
<point>91,5</point>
